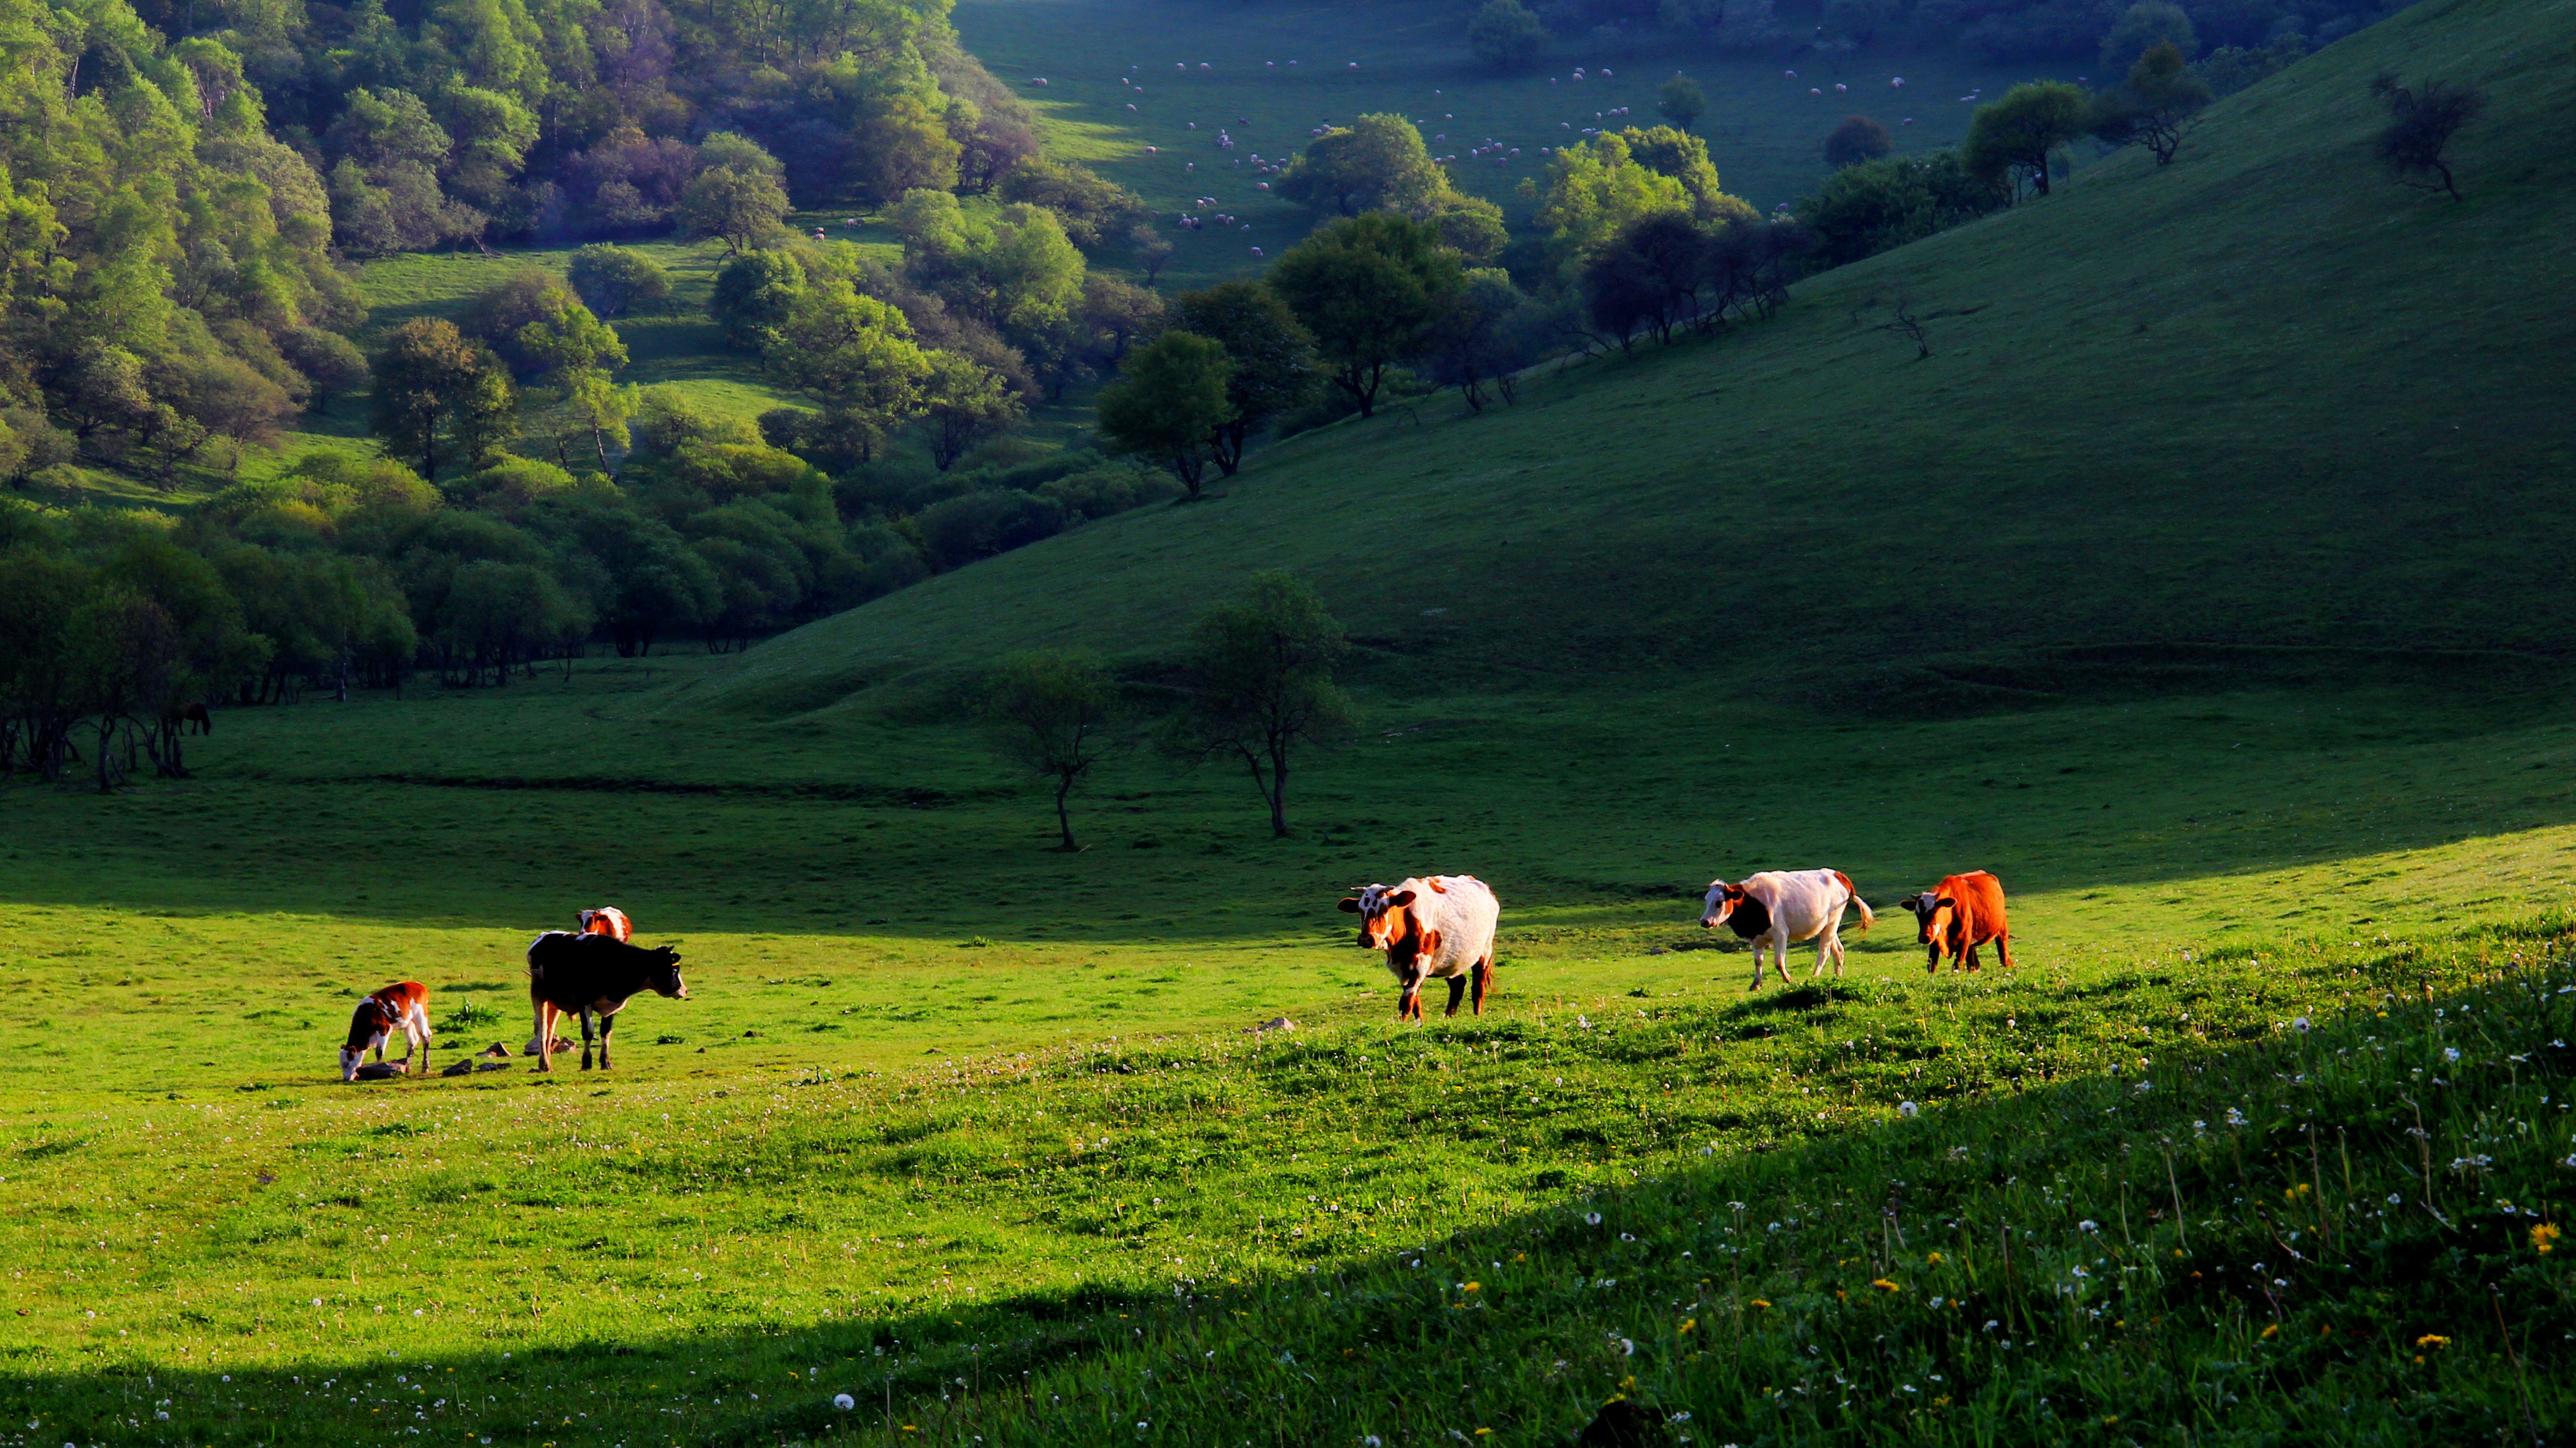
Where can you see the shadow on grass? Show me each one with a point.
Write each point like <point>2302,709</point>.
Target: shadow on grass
<point>2246,1243</point>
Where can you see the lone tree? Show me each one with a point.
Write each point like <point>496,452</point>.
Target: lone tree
<point>1272,360</point>
<point>1169,404</point>
<point>433,386</point>
<point>1505,35</point>
<point>2421,125</point>
<point>1371,289</point>
<point>1681,102</point>
<point>1051,712</point>
<point>2011,141</point>
<point>2153,107</point>
<point>1856,140</point>
<point>1262,685</point>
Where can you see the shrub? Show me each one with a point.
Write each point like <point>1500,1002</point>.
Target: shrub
<point>1866,209</point>
<point>1505,35</point>
<point>1102,491</point>
<point>979,525</point>
<point>1856,140</point>
<point>613,279</point>
<point>2148,24</point>
<point>2421,125</point>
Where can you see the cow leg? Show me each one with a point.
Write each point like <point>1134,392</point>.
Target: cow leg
<point>1971,954</point>
<point>1457,993</point>
<point>2003,950</point>
<point>545,1034</point>
<point>607,1023</point>
<point>585,1038</point>
<point>1484,973</point>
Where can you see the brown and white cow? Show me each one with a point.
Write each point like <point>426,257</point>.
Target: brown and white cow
<point>401,1007</point>
<point>1958,915</point>
<point>1437,925</point>
<point>607,920</point>
<point>1777,907</point>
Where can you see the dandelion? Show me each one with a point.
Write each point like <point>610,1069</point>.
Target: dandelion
<point>1934,1259</point>
<point>1759,1302</point>
<point>1883,1285</point>
<point>1592,1219</point>
<point>2432,1339</point>
<point>2272,1332</point>
<point>2300,1025</point>
<point>844,1402</point>
<point>2088,1225</point>
<point>2395,1200</point>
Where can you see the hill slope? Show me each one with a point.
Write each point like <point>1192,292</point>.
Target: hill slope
<point>2261,397</point>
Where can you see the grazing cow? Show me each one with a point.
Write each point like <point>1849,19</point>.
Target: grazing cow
<point>402,1007</point>
<point>1958,915</point>
<point>1777,907</point>
<point>588,975</point>
<point>198,715</point>
<point>607,920</point>
<point>1442,926</point>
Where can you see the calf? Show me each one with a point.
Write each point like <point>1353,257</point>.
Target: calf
<point>1777,907</point>
<point>589,974</point>
<point>607,920</point>
<point>1442,926</point>
<point>402,1007</point>
<point>1958,915</point>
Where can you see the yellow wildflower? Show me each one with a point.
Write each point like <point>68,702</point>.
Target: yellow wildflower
<point>1761,1302</point>
<point>2272,1332</point>
<point>2544,1238</point>
<point>2432,1339</point>
<point>1883,1285</point>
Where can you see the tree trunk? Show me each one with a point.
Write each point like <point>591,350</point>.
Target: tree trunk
<point>1279,789</point>
<point>1063,821</point>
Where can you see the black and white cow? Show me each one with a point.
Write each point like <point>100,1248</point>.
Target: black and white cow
<point>587,975</point>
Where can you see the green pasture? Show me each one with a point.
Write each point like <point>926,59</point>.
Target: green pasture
<point>1765,132</point>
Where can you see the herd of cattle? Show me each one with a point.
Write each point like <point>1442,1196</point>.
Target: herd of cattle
<point>1430,927</point>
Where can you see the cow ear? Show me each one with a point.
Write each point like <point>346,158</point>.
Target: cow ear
<point>1350,905</point>
<point>1400,897</point>
<point>1945,903</point>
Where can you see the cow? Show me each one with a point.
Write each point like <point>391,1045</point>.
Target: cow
<point>607,920</point>
<point>1440,925</point>
<point>1958,915</point>
<point>400,1007</point>
<point>591,974</point>
<point>1777,907</point>
<point>199,715</point>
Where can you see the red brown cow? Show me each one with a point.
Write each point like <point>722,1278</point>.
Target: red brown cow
<point>1958,915</point>
<point>401,1007</point>
<point>607,920</point>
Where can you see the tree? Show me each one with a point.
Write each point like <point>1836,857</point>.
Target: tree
<point>432,385</point>
<point>1153,250</point>
<point>1866,209</point>
<point>1474,343</point>
<point>1092,208</point>
<point>1376,163</point>
<point>2011,141</point>
<point>1261,685</point>
<point>852,352</point>
<point>613,279</point>
<point>1857,139</point>
<point>2146,25</point>
<point>1271,359</point>
<point>1051,713</point>
<point>1681,102</point>
<point>753,293</point>
<point>1648,276</point>
<point>1505,35</point>
<point>2421,125</point>
<point>1595,190</point>
<point>1369,289</point>
<point>2153,107</point>
<point>1169,404</point>
<point>741,208</point>
<point>1667,151</point>
<point>966,402</point>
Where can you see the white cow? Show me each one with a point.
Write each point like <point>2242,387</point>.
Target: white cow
<point>1442,925</point>
<point>1779,906</point>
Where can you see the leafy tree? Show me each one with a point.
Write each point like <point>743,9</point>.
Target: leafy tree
<point>2154,107</point>
<point>1051,714</point>
<point>1505,35</point>
<point>1170,404</point>
<point>1668,151</point>
<point>1092,209</point>
<point>753,293</point>
<point>1474,345</point>
<point>2011,141</point>
<point>1472,227</point>
<point>1271,360</point>
<point>1153,250</point>
<point>1857,139</point>
<point>853,352</point>
<point>1369,289</point>
<point>2231,68</point>
<point>1648,276</point>
<point>2143,27</point>
<point>1594,191</point>
<point>330,363</point>
<point>432,387</point>
<point>2421,125</point>
<point>1261,685</point>
<point>613,279</point>
<point>1681,102</point>
<point>1377,163</point>
<point>966,402</point>
<point>735,197</point>
<point>903,146</point>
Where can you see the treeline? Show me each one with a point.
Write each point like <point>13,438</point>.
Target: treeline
<point>1514,34</point>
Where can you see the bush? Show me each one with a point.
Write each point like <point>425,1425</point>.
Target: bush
<point>1866,209</point>
<point>1856,140</point>
<point>981,524</point>
<point>613,279</point>
<point>1102,491</point>
<point>1505,35</point>
<point>2231,68</point>
<point>2148,24</point>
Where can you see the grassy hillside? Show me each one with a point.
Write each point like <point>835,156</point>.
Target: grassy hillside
<point>2261,397</point>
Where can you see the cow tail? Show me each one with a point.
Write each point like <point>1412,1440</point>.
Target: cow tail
<point>1866,918</point>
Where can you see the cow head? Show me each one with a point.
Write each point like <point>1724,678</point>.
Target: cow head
<point>368,1028</point>
<point>1931,914</point>
<point>664,974</point>
<point>1386,916</point>
<point>1722,900</point>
